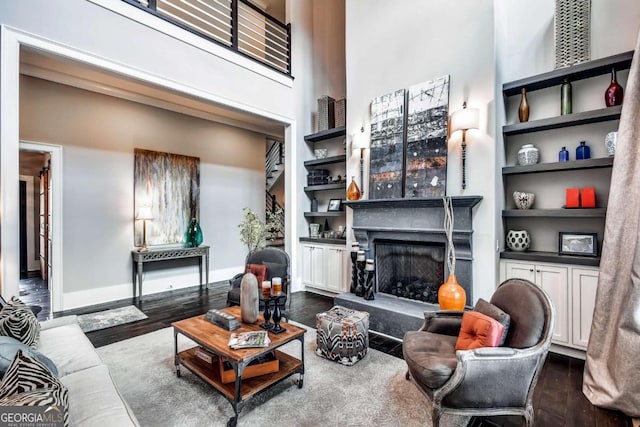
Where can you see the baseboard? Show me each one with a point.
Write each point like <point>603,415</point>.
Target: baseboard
<point>568,351</point>
<point>104,294</point>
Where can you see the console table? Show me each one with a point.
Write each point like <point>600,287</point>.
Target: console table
<point>165,254</point>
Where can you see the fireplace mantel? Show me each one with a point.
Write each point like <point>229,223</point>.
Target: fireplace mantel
<point>435,202</point>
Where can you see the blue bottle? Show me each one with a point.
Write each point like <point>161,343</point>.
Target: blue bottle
<point>563,155</point>
<point>583,151</point>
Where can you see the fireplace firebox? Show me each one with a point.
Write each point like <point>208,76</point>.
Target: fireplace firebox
<point>410,270</point>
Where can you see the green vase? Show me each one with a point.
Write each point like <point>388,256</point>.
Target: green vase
<point>193,236</point>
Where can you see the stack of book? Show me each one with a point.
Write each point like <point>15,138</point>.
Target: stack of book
<point>249,339</point>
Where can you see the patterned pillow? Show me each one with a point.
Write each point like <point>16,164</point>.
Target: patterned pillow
<point>18,321</point>
<point>29,383</point>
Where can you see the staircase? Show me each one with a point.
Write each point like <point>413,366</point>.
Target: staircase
<point>274,170</point>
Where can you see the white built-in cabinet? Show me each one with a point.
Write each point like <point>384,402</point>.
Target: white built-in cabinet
<point>324,267</point>
<point>572,290</point>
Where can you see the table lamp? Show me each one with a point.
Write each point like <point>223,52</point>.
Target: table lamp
<point>144,214</point>
<point>464,120</point>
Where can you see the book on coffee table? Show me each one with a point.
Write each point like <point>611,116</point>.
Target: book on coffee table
<point>249,339</point>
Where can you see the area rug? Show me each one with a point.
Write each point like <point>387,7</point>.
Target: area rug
<point>108,318</point>
<point>374,391</point>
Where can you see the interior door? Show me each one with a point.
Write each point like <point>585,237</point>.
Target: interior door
<point>24,267</point>
<point>44,224</point>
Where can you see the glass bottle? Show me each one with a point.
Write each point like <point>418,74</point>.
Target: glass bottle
<point>194,234</point>
<point>614,93</point>
<point>523,109</point>
<point>563,155</point>
<point>353,192</point>
<point>565,98</point>
<point>583,151</point>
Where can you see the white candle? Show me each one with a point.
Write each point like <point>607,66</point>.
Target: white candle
<point>369,265</point>
<point>360,256</point>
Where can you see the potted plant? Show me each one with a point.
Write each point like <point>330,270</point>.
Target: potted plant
<point>254,232</point>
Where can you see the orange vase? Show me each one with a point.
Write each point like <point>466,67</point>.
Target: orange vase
<point>451,296</point>
<point>353,192</point>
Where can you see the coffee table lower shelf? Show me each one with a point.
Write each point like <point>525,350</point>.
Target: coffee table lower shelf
<point>250,386</point>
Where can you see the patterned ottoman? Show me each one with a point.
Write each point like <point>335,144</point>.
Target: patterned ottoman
<point>343,335</point>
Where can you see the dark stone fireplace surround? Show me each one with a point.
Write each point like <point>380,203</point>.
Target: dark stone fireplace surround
<point>409,221</point>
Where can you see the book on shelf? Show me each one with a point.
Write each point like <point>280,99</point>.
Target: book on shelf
<point>249,339</point>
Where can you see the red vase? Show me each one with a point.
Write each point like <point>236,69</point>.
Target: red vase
<point>614,93</point>
<point>451,296</point>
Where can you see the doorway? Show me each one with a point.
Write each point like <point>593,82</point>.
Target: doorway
<point>36,215</point>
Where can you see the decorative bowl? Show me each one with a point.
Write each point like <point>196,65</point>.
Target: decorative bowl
<point>518,240</point>
<point>523,200</point>
<point>320,153</point>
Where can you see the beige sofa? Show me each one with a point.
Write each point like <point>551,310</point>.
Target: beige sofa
<point>94,399</point>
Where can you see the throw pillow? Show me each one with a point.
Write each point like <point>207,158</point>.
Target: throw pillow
<point>10,346</point>
<point>494,312</point>
<point>29,383</point>
<point>477,331</point>
<point>258,270</point>
<point>276,269</point>
<point>18,321</point>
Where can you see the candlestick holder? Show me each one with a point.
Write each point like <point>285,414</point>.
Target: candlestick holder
<point>370,276</point>
<point>267,315</point>
<point>354,272</point>
<point>360,287</point>
<point>277,315</point>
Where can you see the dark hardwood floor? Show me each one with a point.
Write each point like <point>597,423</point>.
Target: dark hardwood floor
<point>558,398</point>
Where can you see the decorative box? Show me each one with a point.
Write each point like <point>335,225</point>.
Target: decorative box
<point>341,112</point>
<point>326,113</point>
<point>318,177</point>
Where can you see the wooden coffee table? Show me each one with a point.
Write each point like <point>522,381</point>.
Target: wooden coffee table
<point>215,340</point>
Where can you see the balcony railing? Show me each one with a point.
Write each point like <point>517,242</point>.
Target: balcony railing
<point>235,24</point>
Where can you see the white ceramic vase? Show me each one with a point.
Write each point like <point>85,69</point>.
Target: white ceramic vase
<point>528,155</point>
<point>518,240</point>
<point>610,142</point>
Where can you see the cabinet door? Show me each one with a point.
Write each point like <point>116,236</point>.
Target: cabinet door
<point>584,284</point>
<point>520,271</point>
<point>554,280</point>
<point>307,264</point>
<point>317,267</point>
<point>334,268</point>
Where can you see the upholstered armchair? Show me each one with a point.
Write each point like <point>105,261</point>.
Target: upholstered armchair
<point>490,380</point>
<point>278,265</point>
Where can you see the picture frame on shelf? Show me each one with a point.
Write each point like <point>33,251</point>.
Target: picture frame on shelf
<point>580,244</point>
<point>335,205</point>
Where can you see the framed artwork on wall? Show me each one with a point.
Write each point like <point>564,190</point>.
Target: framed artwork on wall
<point>168,187</point>
<point>426,150</point>
<point>387,146</point>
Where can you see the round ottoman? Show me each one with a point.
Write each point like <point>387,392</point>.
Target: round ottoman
<point>342,335</point>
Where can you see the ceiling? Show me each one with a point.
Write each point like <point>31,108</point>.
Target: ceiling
<point>31,162</point>
<point>46,66</point>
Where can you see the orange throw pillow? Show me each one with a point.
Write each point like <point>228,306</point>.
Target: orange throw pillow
<point>258,270</point>
<point>478,330</point>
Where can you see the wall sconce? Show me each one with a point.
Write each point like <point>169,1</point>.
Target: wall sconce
<point>144,214</point>
<point>464,120</point>
<point>358,144</point>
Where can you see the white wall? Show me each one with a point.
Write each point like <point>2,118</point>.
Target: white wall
<point>390,47</point>
<point>98,134</point>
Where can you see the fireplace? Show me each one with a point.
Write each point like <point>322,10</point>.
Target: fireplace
<point>409,270</point>
<point>406,238</point>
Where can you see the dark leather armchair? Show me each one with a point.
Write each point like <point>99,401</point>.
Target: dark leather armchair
<point>278,265</point>
<point>484,381</point>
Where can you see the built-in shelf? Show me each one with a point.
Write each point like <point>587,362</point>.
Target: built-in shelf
<point>326,134</point>
<point>604,162</point>
<point>536,256</point>
<point>319,240</point>
<point>323,187</point>
<point>576,72</point>
<point>323,214</point>
<point>326,161</point>
<point>555,213</point>
<point>586,117</point>
<point>431,202</point>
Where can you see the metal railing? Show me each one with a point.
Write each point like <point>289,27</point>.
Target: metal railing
<point>235,24</point>
<point>273,206</point>
<point>275,156</point>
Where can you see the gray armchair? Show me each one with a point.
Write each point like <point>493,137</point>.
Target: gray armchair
<point>278,265</point>
<point>484,381</point>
